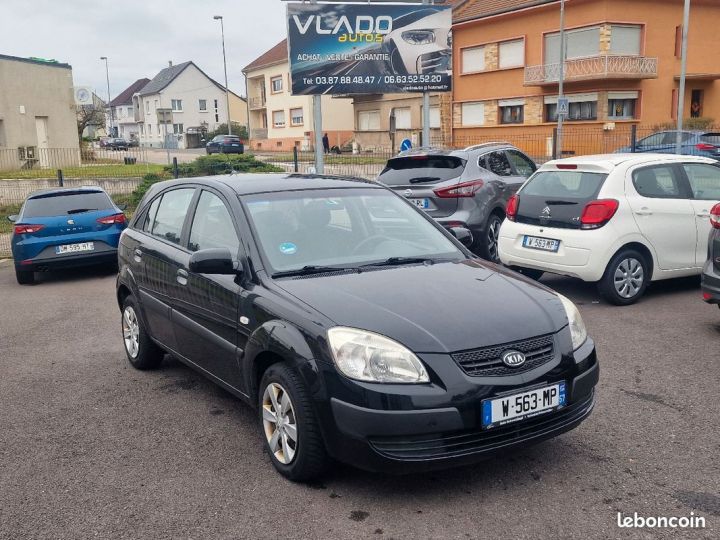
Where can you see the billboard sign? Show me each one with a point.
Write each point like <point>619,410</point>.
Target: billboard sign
<point>369,48</point>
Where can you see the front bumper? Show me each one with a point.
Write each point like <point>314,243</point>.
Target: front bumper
<point>711,283</point>
<point>381,437</point>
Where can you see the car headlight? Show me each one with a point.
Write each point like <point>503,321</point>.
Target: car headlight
<point>577,326</point>
<point>419,37</point>
<point>366,356</point>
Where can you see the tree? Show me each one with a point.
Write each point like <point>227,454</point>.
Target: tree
<point>90,115</point>
<point>237,129</point>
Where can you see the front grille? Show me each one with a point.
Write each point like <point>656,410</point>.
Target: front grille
<point>433,62</point>
<point>487,361</point>
<point>457,444</point>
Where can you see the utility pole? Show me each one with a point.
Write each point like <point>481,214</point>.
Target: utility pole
<point>683,77</point>
<point>561,84</point>
<point>426,112</point>
<point>227,90</point>
<point>317,126</point>
<point>107,77</point>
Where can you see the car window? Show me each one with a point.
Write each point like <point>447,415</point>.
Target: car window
<point>498,163</point>
<point>671,137</point>
<point>565,185</point>
<point>419,169</point>
<point>652,140</point>
<point>171,214</point>
<point>658,182</point>
<point>711,138</point>
<point>212,226</point>
<point>150,216</point>
<point>66,203</point>
<point>704,181</point>
<point>523,166</point>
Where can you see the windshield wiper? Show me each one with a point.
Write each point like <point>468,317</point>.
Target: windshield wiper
<point>313,269</point>
<point>81,210</point>
<point>420,179</point>
<point>398,261</point>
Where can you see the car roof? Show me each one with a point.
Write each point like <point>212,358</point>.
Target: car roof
<point>60,191</point>
<point>246,184</point>
<point>463,152</point>
<point>607,162</point>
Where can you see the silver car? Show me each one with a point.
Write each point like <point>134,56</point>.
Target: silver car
<point>462,188</point>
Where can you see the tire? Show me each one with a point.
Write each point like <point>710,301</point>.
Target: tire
<point>488,244</point>
<point>305,459</point>
<point>531,273</point>
<point>142,352</point>
<point>25,277</point>
<point>625,279</point>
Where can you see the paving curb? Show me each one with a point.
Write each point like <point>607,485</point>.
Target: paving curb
<point>5,262</point>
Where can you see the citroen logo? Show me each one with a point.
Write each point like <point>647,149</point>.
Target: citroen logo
<point>513,358</point>
<point>546,211</point>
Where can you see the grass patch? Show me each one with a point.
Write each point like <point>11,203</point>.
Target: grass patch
<point>115,170</point>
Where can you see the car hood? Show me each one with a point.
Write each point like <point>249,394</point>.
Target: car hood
<point>438,308</point>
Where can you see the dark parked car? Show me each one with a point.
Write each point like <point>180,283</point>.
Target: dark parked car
<point>467,188</point>
<point>65,227</point>
<point>225,144</point>
<point>711,271</point>
<point>357,326</point>
<point>693,143</point>
<point>117,143</point>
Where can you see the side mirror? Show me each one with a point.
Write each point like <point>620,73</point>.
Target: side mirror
<point>13,218</point>
<point>463,235</point>
<point>212,261</point>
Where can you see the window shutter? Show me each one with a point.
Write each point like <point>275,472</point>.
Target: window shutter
<point>473,59</point>
<point>473,114</point>
<point>512,54</point>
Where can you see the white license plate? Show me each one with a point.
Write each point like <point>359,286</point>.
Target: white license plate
<point>421,203</point>
<point>508,409</point>
<point>75,248</point>
<point>544,244</point>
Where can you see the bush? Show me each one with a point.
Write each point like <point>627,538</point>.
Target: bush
<point>690,124</point>
<point>223,164</point>
<point>147,181</point>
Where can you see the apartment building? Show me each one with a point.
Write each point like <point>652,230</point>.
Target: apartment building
<point>279,120</point>
<point>37,113</point>
<point>622,65</point>
<point>181,100</point>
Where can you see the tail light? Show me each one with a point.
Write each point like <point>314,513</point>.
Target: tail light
<point>465,189</point>
<point>715,216</point>
<point>512,208</point>
<point>598,213</point>
<point>705,146</point>
<point>118,219</point>
<point>28,229</point>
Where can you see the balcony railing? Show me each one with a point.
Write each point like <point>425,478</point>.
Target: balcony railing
<point>593,68</point>
<point>259,133</point>
<point>257,102</point>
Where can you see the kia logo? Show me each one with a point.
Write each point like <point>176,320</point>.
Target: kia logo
<point>513,358</point>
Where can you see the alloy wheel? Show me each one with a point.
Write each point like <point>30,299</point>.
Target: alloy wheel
<point>279,423</point>
<point>131,331</point>
<point>493,236</point>
<point>629,277</point>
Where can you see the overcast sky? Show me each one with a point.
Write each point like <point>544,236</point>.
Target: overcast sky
<point>140,36</point>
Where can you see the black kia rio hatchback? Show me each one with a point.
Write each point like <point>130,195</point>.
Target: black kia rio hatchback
<point>359,328</point>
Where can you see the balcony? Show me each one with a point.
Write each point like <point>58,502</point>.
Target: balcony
<point>259,133</point>
<point>256,103</point>
<point>594,68</point>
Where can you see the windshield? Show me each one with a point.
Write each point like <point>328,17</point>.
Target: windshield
<point>66,203</point>
<point>343,228</point>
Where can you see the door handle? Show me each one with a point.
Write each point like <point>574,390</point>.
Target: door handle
<point>703,214</point>
<point>182,276</point>
<point>643,212</point>
<point>138,255</point>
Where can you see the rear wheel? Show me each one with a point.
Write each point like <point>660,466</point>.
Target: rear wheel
<point>489,242</point>
<point>142,352</point>
<point>625,278</point>
<point>25,277</point>
<point>292,434</point>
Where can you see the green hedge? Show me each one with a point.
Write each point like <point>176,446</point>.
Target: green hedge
<point>223,164</point>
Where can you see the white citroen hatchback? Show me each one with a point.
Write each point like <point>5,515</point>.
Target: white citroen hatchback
<point>620,220</point>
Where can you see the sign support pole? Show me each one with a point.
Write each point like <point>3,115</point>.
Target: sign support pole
<point>317,127</point>
<point>683,77</point>
<point>561,117</point>
<point>426,112</point>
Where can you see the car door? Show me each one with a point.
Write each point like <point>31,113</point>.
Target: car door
<point>159,254</point>
<point>206,310</point>
<point>704,181</point>
<point>662,210</point>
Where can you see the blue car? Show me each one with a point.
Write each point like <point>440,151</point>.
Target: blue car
<point>65,227</point>
<point>694,143</point>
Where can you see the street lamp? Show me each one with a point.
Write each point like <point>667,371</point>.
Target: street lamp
<point>227,91</point>
<point>107,77</point>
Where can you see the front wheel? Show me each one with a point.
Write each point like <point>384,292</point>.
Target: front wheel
<point>625,278</point>
<point>292,434</point>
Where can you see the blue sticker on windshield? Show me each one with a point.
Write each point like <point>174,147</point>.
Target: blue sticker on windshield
<point>288,248</point>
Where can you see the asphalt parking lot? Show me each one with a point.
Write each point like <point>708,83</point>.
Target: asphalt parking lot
<point>90,447</point>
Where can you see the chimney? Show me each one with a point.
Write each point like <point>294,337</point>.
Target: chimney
<point>169,63</point>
